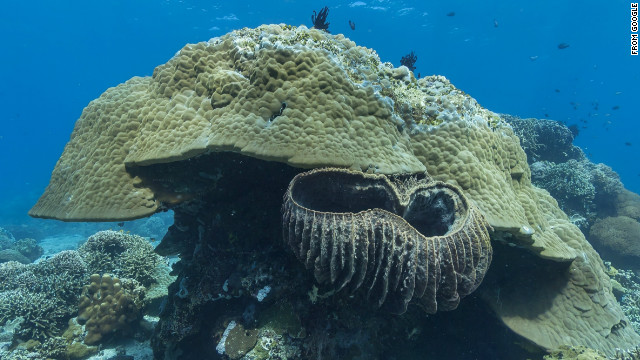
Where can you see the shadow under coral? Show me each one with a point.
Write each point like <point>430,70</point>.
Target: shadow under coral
<point>235,267</point>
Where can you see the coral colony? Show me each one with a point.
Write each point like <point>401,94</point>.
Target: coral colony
<point>393,235</point>
<point>320,20</point>
<point>409,61</point>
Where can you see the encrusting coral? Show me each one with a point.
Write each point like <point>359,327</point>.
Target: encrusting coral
<point>106,308</point>
<point>200,129</point>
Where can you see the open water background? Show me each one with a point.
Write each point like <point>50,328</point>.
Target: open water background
<point>55,57</point>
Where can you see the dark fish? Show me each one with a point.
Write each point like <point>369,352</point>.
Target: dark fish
<point>557,90</point>
<point>627,143</point>
<point>352,25</point>
<point>453,13</point>
<point>563,46</point>
<point>121,224</point>
<point>495,23</point>
<point>122,357</point>
<point>615,107</point>
<point>546,115</point>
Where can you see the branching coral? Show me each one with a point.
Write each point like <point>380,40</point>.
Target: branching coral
<point>44,294</point>
<point>43,316</point>
<point>125,255</point>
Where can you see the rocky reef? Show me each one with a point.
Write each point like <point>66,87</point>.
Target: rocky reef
<point>219,132</point>
<point>24,251</point>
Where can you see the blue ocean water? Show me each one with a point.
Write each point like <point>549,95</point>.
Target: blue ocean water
<point>58,56</point>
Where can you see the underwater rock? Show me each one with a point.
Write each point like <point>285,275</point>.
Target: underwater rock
<point>24,251</point>
<point>202,126</point>
<point>13,255</point>
<point>29,248</point>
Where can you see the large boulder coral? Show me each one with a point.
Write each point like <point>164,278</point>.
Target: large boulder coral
<point>618,239</point>
<point>194,138</point>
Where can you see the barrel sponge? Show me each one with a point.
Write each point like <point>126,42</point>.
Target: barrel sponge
<point>105,308</point>
<point>400,240</point>
<point>277,92</point>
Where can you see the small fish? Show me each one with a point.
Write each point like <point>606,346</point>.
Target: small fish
<point>453,13</point>
<point>557,90</point>
<point>618,92</point>
<point>627,143</point>
<point>546,115</point>
<point>352,25</point>
<point>533,58</point>
<point>121,224</point>
<point>495,23</point>
<point>563,46</point>
<point>615,107</point>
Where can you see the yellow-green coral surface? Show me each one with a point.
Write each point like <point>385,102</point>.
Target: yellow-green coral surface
<point>311,99</point>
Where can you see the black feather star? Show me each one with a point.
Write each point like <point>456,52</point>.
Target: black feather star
<point>409,61</point>
<point>319,20</point>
